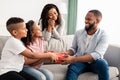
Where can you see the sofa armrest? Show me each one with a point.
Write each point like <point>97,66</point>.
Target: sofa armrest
<point>112,55</point>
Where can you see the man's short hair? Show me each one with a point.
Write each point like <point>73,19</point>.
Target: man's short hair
<point>97,13</point>
<point>10,24</point>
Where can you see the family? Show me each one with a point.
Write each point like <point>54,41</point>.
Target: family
<point>24,54</point>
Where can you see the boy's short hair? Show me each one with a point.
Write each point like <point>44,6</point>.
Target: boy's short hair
<point>10,24</point>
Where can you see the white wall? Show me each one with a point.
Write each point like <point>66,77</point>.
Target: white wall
<point>111,15</point>
<point>26,9</point>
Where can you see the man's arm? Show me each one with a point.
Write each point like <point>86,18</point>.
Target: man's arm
<point>101,47</point>
<point>84,58</point>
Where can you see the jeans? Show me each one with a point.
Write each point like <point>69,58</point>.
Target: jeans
<point>39,74</point>
<point>99,67</point>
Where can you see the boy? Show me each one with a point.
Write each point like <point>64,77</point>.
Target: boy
<point>12,58</point>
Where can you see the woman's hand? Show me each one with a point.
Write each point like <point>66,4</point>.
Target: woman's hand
<point>51,23</point>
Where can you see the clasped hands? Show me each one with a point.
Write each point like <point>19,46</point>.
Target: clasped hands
<point>67,59</point>
<point>51,24</point>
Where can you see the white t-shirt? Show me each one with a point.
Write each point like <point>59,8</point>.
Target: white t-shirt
<point>11,59</point>
<point>88,41</point>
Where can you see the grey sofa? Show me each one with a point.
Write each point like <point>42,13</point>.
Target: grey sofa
<point>112,55</point>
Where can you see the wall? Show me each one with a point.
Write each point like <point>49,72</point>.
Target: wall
<point>26,9</point>
<point>111,15</point>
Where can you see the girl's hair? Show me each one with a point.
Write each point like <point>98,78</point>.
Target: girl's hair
<point>27,40</point>
<point>44,15</point>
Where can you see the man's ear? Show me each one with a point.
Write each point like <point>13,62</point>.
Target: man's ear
<point>98,20</point>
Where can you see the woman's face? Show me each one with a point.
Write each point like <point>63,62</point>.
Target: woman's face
<point>53,14</point>
<point>36,30</point>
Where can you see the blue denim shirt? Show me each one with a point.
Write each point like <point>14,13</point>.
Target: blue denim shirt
<point>97,46</point>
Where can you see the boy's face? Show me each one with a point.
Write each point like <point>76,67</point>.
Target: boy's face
<point>21,30</point>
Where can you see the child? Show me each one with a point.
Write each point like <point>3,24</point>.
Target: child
<point>35,42</point>
<point>12,57</point>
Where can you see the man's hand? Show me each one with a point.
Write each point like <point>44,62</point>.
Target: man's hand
<point>69,52</point>
<point>68,59</point>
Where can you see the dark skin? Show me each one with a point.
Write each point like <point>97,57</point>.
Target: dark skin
<point>90,21</point>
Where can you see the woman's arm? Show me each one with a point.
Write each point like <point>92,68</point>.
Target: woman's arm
<point>55,31</point>
<point>59,29</point>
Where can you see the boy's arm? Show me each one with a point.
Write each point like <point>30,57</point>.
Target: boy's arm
<point>33,62</point>
<point>30,61</point>
<point>27,53</point>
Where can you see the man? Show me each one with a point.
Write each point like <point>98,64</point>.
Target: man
<point>89,46</point>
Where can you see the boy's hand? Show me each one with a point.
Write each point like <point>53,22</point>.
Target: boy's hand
<point>53,57</point>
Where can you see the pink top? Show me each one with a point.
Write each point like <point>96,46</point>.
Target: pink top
<point>37,46</point>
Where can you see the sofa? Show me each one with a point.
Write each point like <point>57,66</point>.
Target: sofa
<point>112,55</point>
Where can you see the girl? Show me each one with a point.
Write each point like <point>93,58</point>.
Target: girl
<point>35,42</point>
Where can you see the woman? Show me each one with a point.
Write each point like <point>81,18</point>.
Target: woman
<point>51,22</point>
<point>35,42</point>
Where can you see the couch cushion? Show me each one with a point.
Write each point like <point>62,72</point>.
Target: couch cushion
<point>59,72</point>
<point>3,39</point>
<point>60,45</point>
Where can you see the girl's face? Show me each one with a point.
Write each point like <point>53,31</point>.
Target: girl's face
<point>53,14</point>
<point>36,32</point>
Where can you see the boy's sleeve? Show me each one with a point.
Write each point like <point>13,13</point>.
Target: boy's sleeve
<point>16,47</point>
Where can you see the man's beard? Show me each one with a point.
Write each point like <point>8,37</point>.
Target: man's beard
<point>90,27</point>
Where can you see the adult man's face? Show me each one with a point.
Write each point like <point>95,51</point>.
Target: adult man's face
<point>90,22</point>
<point>90,27</point>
